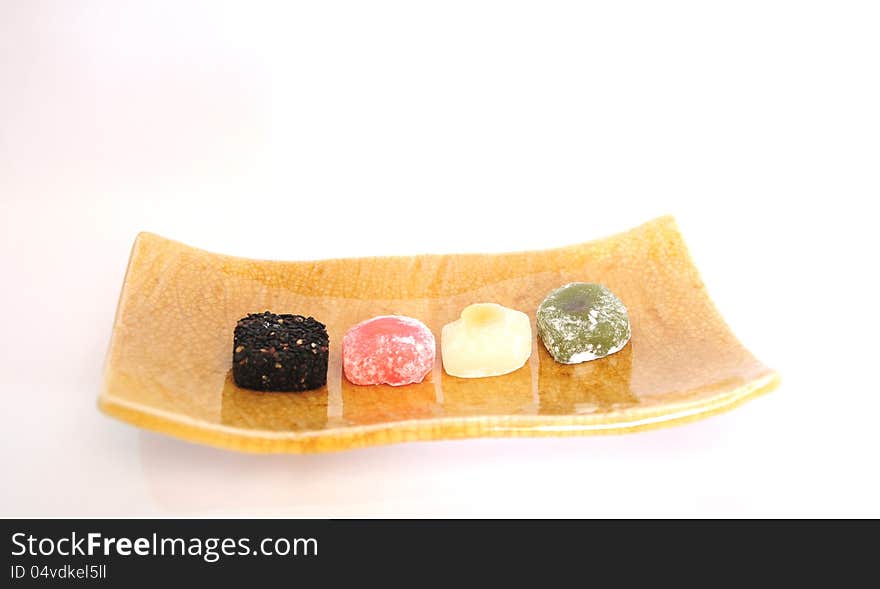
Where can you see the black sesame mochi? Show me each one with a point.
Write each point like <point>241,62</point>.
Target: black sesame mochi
<point>280,352</point>
<point>582,321</point>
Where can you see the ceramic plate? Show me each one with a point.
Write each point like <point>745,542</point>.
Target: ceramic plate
<point>168,368</point>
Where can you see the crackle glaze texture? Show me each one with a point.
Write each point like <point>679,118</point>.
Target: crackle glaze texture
<point>168,366</point>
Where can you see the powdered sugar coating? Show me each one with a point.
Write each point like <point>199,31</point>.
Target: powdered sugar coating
<point>388,349</point>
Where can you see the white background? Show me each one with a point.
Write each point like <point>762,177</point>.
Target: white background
<point>410,127</point>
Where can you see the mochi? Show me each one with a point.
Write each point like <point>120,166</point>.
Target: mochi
<point>389,349</point>
<point>487,340</point>
<point>582,321</point>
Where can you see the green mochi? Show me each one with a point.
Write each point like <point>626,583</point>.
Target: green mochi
<point>582,321</point>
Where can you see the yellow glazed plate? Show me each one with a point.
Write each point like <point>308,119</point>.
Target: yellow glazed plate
<point>169,364</point>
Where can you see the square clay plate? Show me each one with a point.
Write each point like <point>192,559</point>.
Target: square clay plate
<point>169,363</point>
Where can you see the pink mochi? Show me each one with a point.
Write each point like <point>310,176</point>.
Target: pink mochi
<point>389,349</point>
